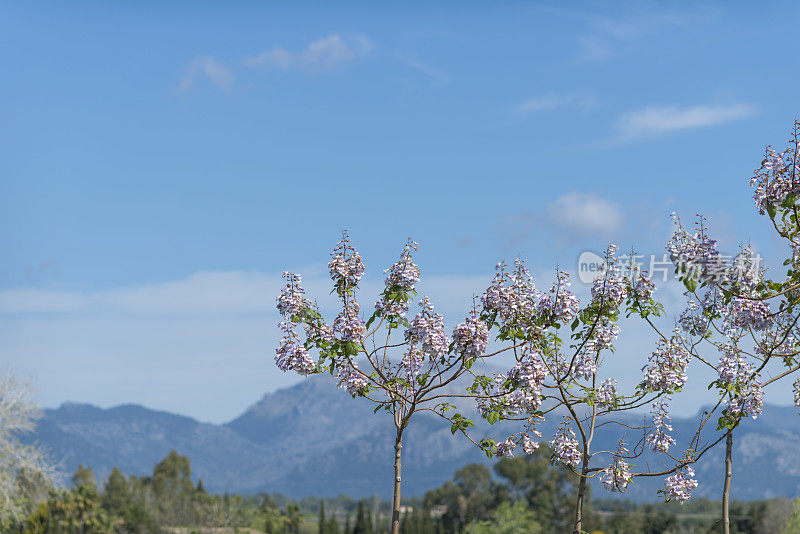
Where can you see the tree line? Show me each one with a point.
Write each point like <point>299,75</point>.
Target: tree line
<point>524,494</point>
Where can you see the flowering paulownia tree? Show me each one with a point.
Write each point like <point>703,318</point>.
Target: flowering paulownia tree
<point>564,378</point>
<point>737,321</point>
<point>743,317</point>
<point>360,353</point>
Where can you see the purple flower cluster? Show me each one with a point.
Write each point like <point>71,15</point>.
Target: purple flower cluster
<point>680,485</point>
<point>560,303</point>
<point>747,313</point>
<point>610,288</point>
<point>778,342</point>
<point>427,330</point>
<point>617,476</point>
<point>412,362</point>
<point>292,300</point>
<point>348,326</point>
<point>290,354</point>
<point>658,439</point>
<point>350,378</point>
<point>512,296</point>
<point>666,367</point>
<point>776,178</point>
<point>318,331</point>
<point>523,439</point>
<point>526,379</point>
<point>643,287</point>
<point>471,336</point>
<point>732,367</point>
<point>796,392</point>
<point>747,310</point>
<point>749,402</point>
<point>605,332</point>
<point>695,318</point>
<point>607,392</point>
<point>696,254</point>
<point>530,446</point>
<point>346,266</point>
<point>402,276</point>
<point>507,447</point>
<point>748,399</point>
<point>566,448</point>
<point>599,336</point>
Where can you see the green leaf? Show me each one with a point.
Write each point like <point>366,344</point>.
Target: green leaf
<point>771,211</point>
<point>691,284</point>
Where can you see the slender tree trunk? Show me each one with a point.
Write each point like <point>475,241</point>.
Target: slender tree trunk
<point>726,488</point>
<point>398,448</point>
<point>581,493</point>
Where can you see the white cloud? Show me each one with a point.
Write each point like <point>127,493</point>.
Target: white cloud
<point>202,345</point>
<point>323,54</point>
<point>438,76</point>
<point>605,36</point>
<point>585,214</point>
<point>206,67</point>
<point>658,120</point>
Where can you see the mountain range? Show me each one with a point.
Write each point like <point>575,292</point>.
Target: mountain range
<point>313,439</point>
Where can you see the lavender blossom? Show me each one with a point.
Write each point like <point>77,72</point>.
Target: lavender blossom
<point>566,448</point>
<point>351,379</point>
<point>607,392</point>
<point>680,485</point>
<point>617,476</point>
<point>560,302</point>
<point>400,278</point>
<point>658,439</point>
<point>290,354</point>
<point>346,266</point>
<point>666,368</point>
<point>427,329</point>
<point>471,336</point>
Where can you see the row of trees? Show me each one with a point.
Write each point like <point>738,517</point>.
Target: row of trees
<point>737,323</point>
<point>527,494</point>
<point>530,495</point>
<point>147,504</point>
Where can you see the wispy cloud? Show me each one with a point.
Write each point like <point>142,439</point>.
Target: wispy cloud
<point>652,121</point>
<point>604,36</point>
<point>585,214</point>
<point>435,74</point>
<point>208,68</point>
<point>219,329</point>
<point>551,102</point>
<point>575,217</point>
<point>323,54</point>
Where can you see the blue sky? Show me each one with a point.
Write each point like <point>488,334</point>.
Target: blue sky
<point>161,163</point>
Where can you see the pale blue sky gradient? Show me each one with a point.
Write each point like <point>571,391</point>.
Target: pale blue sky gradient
<point>161,163</point>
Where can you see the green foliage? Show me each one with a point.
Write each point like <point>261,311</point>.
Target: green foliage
<point>79,508</point>
<point>363,520</point>
<point>550,491</point>
<point>508,519</point>
<point>792,526</point>
<point>84,476</point>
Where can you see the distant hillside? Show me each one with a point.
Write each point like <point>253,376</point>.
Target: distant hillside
<point>313,439</point>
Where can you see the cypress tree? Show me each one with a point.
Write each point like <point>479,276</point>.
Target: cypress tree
<point>363,522</point>
<point>323,526</point>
